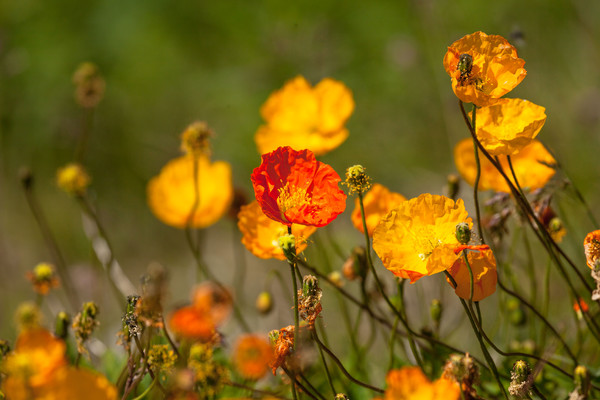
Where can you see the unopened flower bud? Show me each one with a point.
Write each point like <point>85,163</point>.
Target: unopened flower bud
<point>521,380</point>
<point>43,278</point>
<point>336,278</point>
<point>463,233</point>
<point>583,380</point>
<point>287,243</point>
<point>273,336</point>
<point>436,310</point>
<point>357,179</point>
<point>264,302</point>
<point>452,186</point>
<point>61,325</point>
<point>310,285</point>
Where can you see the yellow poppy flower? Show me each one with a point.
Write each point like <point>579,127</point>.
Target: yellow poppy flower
<point>261,233</point>
<point>531,167</point>
<point>483,68</point>
<point>409,383</point>
<point>171,194</point>
<point>483,265</point>
<point>378,201</point>
<point>509,125</point>
<point>418,237</point>
<point>303,117</point>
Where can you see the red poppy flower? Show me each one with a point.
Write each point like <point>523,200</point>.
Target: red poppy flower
<point>293,187</point>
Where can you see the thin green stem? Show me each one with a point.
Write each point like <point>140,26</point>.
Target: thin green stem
<point>293,267</point>
<point>391,343</point>
<point>145,392</point>
<point>327,373</point>
<point>477,175</point>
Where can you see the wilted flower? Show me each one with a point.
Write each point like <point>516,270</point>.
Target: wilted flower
<point>509,125</point>
<point>252,356</point>
<point>418,237</point>
<point>283,345</point>
<point>483,68</point>
<point>462,369</point>
<point>591,246</point>
<point>409,383</point>
<point>292,187</point>
<point>73,179</point>
<point>261,233</point>
<point>483,266</point>
<point>532,165</point>
<point>521,380</point>
<point>43,278</point>
<point>309,300</point>
<point>84,324</point>
<point>172,195</point>
<point>378,201</point>
<point>304,117</point>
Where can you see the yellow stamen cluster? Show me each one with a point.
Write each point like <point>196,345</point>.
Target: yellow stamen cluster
<point>73,179</point>
<point>195,139</point>
<point>209,376</point>
<point>289,198</point>
<point>357,179</point>
<point>160,357</point>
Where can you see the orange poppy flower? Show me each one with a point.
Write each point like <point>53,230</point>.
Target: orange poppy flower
<point>252,356</point>
<point>532,166</point>
<point>581,306</point>
<point>483,68</point>
<point>409,383</point>
<point>418,237</point>
<point>293,187</point>
<point>261,233</point>
<point>304,117</point>
<point>37,368</point>
<point>211,305</point>
<point>378,201</point>
<point>483,266</point>
<point>507,126</point>
<point>172,195</point>
<point>591,246</point>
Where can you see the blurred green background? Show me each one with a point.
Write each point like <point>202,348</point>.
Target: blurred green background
<point>168,63</point>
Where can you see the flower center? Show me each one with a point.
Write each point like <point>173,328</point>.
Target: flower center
<point>425,242</point>
<point>291,197</point>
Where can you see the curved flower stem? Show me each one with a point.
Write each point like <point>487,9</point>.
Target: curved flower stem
<point>476,329</point>
<point>145,392</point>
<point>293,267</point>
<point>87,124</point>
<point>51,244</point>
<point>477,176</point>
<point>411,340</point>
<point>164,329</point>
<point>391,343</point>
<point>255,391</point>
<point>542,318</point>
<point>310,385</point>
<point>344,371</point>
<point>533,221</point>
<point>314,335</point>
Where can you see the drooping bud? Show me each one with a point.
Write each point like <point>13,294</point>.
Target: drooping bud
<point>463,233</point>
<point>521,380</point>
<point>357,179</point>
<point>452,186</point>
<point>435,310</point>
<point>61,325</point>
<point>264,302</point>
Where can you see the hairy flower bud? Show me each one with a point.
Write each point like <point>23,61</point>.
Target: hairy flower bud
<point>463,233</point>
<point>357,179</point>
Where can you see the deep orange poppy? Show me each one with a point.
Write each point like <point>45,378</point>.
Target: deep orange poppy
<point>591,246</point>
<point>292,187</point>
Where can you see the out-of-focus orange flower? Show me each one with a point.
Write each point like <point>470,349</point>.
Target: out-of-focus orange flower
<point>581,306</point>
<point>591,246</point>
<point>531,165</point>
<point>260,233</point>
<point>409,383</point>
<point>507,126</point>
<point>292,187</point>
<point>378,201</point>
<point>418,237</point>
<point>252,356</point>
<point>483,265</point>
<point>211,305</point>
<point>37,368</point>
<point>304,117</point>
<point>172,194</point>
<point>483,68</point>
